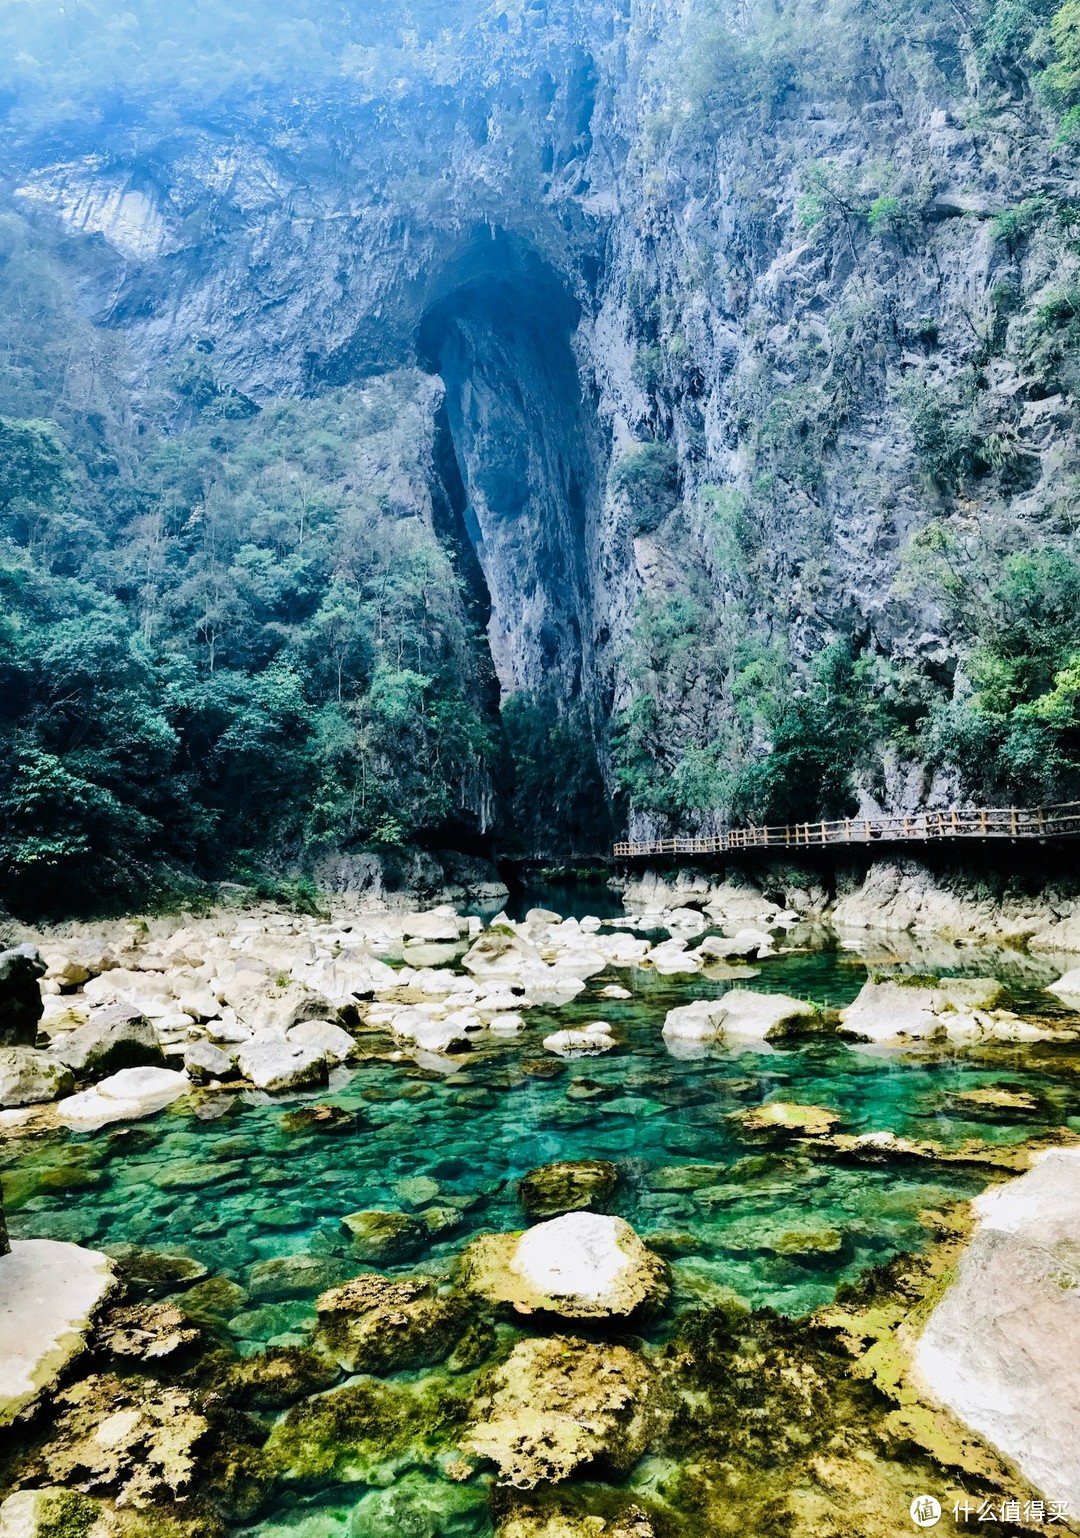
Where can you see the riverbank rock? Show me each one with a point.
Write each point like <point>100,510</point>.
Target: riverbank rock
<point>377,1325</point>
<point>898,1012</point>
<point>632,1522</point>
<point>20,997</point>
<point>28,1077</point>
<point>125,1096</point>
<point>583,1265</point>
<point>1067,988</point>
<point>275,1064</point>
<point>559,1404</point>
<point>326,1037</point>
<point>1002,1347</point>
<point>740,1014</point>
<point>568,1186</point>
<point>204,1062</point>
<point>50,1293</point>
<point>116,1037</point>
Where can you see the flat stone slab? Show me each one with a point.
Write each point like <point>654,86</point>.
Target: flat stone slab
<point>1002,1348</point>
<point>49,1293</point>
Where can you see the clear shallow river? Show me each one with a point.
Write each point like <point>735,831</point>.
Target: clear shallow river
<point>232,1186</point>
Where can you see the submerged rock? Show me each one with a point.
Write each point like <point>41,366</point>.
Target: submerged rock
<point>28,1077</point>
<point>1002,1347</point>
<point>49,1295</point>
<point>580,1266</point>
<point>365,1432</point>
<point>279,1376</point>
<point>319,1118</point>
<point>376,1325</point>
<point>568,1186</point>
<point>784,1117</point>
<point>381,1237</point>
<point>559,1404</point>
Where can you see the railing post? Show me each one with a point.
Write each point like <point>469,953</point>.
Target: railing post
<point>1012,821</point>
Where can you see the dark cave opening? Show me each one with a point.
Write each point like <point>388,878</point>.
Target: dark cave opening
<point>522,464</point>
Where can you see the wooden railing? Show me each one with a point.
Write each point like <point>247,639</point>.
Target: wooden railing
<point>998,822</point>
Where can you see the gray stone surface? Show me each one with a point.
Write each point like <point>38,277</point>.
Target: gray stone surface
<point>49,1293</point>
<point>1002,1348</point>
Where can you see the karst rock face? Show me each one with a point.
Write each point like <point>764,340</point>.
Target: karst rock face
<point>658,352</point>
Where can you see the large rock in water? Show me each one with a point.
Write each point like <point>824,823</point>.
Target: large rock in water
<point>557,1405</point>
<point>275,1064</point>
<point>740,1014</point>
<point>31,1078</point>
<point>583,1265</point>
<point>127,1095</point>
<point>1002,1348</point>
<point>20,997</point>
<point>49,1294</point>
<point>117,1037</point>
<point>896,1013</point>
<point>568,1186</point>
<point>375,1324</point>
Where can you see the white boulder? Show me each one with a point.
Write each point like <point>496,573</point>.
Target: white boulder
<point>275,1064</point>
<point>125,1096</point>
<point>1002,1347</point>
<point>49,1293</point>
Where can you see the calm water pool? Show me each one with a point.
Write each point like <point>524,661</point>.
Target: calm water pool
<point>229,1184</point>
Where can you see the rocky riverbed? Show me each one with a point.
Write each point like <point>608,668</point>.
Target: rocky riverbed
<point>417,1223</point>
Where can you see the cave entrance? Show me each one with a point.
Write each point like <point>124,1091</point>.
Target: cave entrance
<point>526,473</point>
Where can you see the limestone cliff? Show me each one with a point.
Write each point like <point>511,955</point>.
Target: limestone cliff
<point>727,307</point>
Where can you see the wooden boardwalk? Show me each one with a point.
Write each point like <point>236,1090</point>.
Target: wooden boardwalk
<point>1044,823</point>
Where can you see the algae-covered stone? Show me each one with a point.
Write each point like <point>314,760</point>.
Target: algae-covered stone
<point>376,1325</point>
<point>365,1432</point>
<point>147,1444</point>
<point>568,1186</point>
<point>319,1118</point>
<point>279,1376</point>
<point>152,1273</point>
<point>559,1404</point>
<point>294,1276</point>
<point>147,1332</point>
<point>519,1522</point>
<point>583,1265</point>
<point>384,1238</point>
<point>785,1117</point>
<point>994,1102</point>
<point>52,1513</point>
<point>419,1507</point>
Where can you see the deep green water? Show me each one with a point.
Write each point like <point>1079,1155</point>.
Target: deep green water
<point>228,1184</point>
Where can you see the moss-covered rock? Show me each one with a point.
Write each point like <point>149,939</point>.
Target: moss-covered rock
<point>384,1238</point>
<point>559,1404</point>
<point>367,1432</point>
<point>783,1118</point>
<point>583,1265</point>
<point>545,1522</point>
<point>279,1376</point>
<point>373,1324</point>
<point>147,1332</point>
<point>152,1273</point>
<point>150,1446</point>
<point>568,1186</point>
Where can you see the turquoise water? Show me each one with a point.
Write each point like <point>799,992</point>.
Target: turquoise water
<point>228,1183</point>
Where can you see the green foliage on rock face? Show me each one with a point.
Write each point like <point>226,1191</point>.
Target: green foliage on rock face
<point>649,478</point>
<point>243,641</point>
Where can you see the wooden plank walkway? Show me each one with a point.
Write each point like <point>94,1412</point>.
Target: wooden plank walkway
<point>986,822</point>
